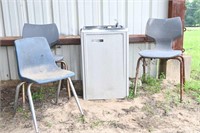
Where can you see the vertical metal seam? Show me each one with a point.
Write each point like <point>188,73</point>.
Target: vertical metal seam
<point>42,3</point>
<point>68,12</point>
<point>34,14</point>
<point>3,23</point>
<point>27,13</point>
<point>9,72</point>
<point>9,18</point>
<point>77,15</point>
<point>52,11</point>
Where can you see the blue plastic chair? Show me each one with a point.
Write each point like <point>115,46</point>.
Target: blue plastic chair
<point>164,32</point>
<point>50,32</point>
<point>37,65</point>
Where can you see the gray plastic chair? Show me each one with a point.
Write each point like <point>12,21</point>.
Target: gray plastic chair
<point>164,32</point>
<point>37,65</point>
<point>50,32</point>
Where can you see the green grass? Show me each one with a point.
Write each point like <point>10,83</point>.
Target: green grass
<point>192,48</point>
<point>152,84</point>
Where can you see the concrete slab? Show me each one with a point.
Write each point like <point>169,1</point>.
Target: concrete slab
<point>173,69</point>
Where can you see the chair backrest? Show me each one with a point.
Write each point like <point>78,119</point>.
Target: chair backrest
<point>164,31</point>
<point>33,55</point>
<point>49,31</point>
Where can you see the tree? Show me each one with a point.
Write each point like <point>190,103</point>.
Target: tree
<point>192,17</point>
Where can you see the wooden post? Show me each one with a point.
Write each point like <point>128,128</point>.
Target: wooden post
<point>177,8</point>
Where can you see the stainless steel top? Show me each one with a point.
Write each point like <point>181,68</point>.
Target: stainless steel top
<point>103,27</point>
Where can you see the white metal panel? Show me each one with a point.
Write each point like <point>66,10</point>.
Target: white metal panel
<point>163,9</point>
<point>14,18</point>
<point>88,12</point>
<point>133,57</point>
<point>146,13</point>
<point>22,15</point>
<point>130,20</point>
<point>106,13</point>
<point>63,17</point>
<point>39,11</point>
<point>1,22</point>
<point>12,63</point>
<point>96,12</point>
<point>159,9</point>
<point>122,13</point>
<point>137,13</point>
<point>47,11</point>
<point>34,14</point>
<point>6,18</point>
<point>56,13</point>
<point>72,56</point>
<point>73,18</point>
<point>81,12</point>
<point>72,15</point>
<point>4,69</point>
<point>113,11</point>
<point>105,64</point>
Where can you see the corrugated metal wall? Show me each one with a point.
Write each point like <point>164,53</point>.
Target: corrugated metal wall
<point>70,16</point>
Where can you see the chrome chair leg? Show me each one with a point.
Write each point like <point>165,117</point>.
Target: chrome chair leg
<point>136,75</point>
<point>64,66</point>
<point>75,95</point>
<point>17,95</point>
<point>68,90</point>
<point>58,91</point>
<point>68,85</point>
<point>23,96</point>
<point>32,107</point>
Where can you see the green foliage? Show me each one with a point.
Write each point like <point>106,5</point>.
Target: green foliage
<point>23,112</point>
<point>43,92</point>
<point>81,119</point>
<point>39,94</point>
<point>192,16</point>
<point>96,124</point>
<point>193,86</point>
<point>151,84</point>
<point>131,92</point>
<point>192,48</point>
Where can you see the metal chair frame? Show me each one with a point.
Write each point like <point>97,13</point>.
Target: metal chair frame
<point>47,63</point>
<point>167,27</point>
<point>50,32</point>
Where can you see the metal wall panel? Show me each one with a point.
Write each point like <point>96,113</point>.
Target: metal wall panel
<point>12,63</point>
<point>72,55</point>
<point>4,66</point>
<point>70,16</point>
<point>1,21</point>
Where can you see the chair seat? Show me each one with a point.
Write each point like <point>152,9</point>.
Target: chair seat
<point>58,58</point>
<point>160,53</point>
<point>46,77</point>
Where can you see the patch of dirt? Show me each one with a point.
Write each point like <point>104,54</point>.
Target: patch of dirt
<point>157,113</point>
